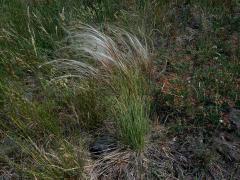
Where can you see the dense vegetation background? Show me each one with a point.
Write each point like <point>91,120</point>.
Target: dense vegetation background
<point>178,117</point>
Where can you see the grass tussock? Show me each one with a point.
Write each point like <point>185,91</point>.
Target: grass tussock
<point>45,148</point>
<point>61,160</point>
<point>122,63</point>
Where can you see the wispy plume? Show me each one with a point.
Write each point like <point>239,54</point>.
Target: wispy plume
<point>114,50</point>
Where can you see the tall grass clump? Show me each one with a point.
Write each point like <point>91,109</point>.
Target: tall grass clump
<point>59,160</point>
<point>121,63</point>
<point>34,140</point>
<point>131,109</point>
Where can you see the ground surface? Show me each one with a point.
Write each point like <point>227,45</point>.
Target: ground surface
<point>54,130</point>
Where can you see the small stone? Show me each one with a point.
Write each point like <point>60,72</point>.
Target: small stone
<point>234,117</point>
<point>102,145</point>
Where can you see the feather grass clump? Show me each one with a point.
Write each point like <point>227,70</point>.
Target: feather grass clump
<point>119,60</point>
